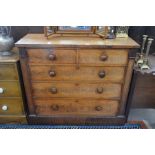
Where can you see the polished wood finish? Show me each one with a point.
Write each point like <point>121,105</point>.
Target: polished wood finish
<point>26,79</point>
<point>76,107</point>
<point>115,57</point>
<point>11,98</point>
<point>39,41</point>
<point>76,80</point>
<point>10,59</point>
<point>126,87</point>
<point>14,105</point>
<point>13,119</point>
<point>68,73</point>
<point>79,90</point>
<point>45,56</point>
<point>8,72</point>
<point>11,89</point>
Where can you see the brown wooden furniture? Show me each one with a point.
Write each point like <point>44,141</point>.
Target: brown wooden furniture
<point>144,92</point>
<point>76,80</point>
<point>11,99</point>
<point>95,31</point>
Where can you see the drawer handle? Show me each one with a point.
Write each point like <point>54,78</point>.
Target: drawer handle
<point>102,74</point>
<point>103,57</point>
<point>1,90</point>
<point>100,90</point>
<point>153,73</point>
<point>55,107</point>
<point>4,107</point>
<point>53,90</point>
<point>98,108</point>
<point>52,57</point>
<point>52,73</point>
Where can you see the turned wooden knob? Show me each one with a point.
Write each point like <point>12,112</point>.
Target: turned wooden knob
<point>103,57</point>
<point>99,90</point>
<point>52,73</point>
<point>55,107</point>
<point>98,108</point>
<point>101,74</point>
<point>52,57</point>
<point>53,90</point>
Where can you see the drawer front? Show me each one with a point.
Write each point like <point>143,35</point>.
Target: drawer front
<point>103,57</point>
<point>8,72</point>
<point>70,73</point>
<point>76,107</point>
<point>78,90</point>
<point>48,56</point>
<point>11,106</point>
<point>9,89</point>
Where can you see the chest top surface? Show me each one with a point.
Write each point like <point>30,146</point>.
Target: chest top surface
<point>9,59</point>
<point>39,40</point>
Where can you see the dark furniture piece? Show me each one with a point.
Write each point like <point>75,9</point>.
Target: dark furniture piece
<point>144,92</point>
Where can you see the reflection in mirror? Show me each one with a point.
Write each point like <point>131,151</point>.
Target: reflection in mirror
<point>75,28</point>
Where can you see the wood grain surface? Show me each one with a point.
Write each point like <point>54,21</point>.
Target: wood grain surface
<point>78,90</point>
<point>15,106</point>
<point>8,71</point>
<point>42,56</point>
<point>75,79</point>
<point>92,56</point>
<point>76,107</point>
<point>71,73</point>
<point>39,40</point>
<point>11,89</point>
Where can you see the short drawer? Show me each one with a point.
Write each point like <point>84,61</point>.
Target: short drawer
<point>76,107</point>
<point>83,90</point>
<point>8,72</point>
<point>11,106</point>
<point>49,56</point>
<point>103,56</point>
<point>10,89</point>
<point>71,73</point>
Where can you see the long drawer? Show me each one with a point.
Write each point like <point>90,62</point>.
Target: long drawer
<point>96,57</point>
<point>79,90</point>
<point>11,106</point>
<point>9,89</point>
<point>76,107</point>
<point>71,73</point>
<point>8,72</point>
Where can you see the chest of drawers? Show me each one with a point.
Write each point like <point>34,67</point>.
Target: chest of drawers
<point>11,99</point>
<point>76,80</point>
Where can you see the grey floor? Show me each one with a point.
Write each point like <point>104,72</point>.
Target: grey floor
<point>147,115</point>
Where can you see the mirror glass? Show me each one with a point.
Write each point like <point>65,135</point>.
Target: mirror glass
<point>75,28</point>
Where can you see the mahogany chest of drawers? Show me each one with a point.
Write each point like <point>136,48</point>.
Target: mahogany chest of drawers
<point>11,99</point>
<point>76,80</point>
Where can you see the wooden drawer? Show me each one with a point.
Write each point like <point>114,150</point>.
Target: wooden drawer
<point>47,56</point>
<point>76,107</point>
<point>79,90</point>
<point>108,57</point>
<point>9,89</point>
<point>13,119</point>
<point>8,72</point>
<point>11,106</point>
<point>71,73</point>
